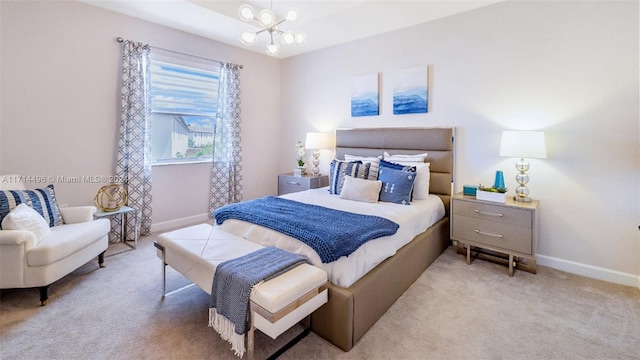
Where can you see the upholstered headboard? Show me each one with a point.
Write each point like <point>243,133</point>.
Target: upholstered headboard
<point>438,143</point>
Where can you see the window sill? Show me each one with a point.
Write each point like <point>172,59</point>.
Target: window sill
<point>190,162</point>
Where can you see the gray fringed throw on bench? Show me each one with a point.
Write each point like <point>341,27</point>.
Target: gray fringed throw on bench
<point>331,233</point>
<point>233,280</point>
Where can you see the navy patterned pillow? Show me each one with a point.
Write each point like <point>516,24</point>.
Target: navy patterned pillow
<point>41,200</point>
<point>397,185</point>
<point>374,161</point>
<point>339,169</point>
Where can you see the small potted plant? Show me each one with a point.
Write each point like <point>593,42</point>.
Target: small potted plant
<point>492,193</point>
<point>300,152</point>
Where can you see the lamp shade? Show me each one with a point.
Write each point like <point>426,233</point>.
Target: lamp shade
<point>523,144</point>
<point>318,140</point>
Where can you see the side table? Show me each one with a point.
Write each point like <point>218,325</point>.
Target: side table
<point>509,228</point>
<point>122,211</point>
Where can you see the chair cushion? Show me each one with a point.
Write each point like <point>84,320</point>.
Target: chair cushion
<point>41,200</point>
<point>22,217</point>
<point>66,240</point>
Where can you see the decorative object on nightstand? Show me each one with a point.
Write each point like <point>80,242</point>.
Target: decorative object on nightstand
<point>499,181</point>
<point>288,183</point>
<point>492,194</point>
<point>300,152</point>
<point>470,190</point>
<point>523,144</point>
<point>110,197</point>
<point>496,193</point>
<point>505,233</point>
<point>317,141</point>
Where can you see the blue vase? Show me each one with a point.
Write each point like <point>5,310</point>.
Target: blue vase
<point>499,182</point>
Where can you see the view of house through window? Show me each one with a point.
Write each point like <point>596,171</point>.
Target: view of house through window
<point>184,100</point>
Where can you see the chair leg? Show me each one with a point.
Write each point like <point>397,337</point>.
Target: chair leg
<point>101,259</point>
<point>44,294</point>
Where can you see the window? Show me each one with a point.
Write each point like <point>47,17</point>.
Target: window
<point>184,100</point>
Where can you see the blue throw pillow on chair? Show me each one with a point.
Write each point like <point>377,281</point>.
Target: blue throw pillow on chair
<point>41,200</point>
<point>397,185</point>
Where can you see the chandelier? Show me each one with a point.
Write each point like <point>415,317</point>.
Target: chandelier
<point>267,20</point>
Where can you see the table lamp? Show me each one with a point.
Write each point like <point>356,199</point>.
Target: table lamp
<point>317,141</point>
<point>523,144</point>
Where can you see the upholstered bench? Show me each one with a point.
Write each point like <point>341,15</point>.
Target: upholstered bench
<point>276,304</point>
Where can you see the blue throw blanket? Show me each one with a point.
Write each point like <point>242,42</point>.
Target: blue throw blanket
<point>331,233</point>
<point>232,282</point>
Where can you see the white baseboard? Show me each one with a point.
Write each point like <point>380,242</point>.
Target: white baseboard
<point>190,220</point>
<point>589,271</point>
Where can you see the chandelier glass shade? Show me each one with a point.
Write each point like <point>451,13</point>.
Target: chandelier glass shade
<point>270,24</point>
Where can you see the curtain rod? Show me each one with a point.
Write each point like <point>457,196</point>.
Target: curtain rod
<point>120,40</point>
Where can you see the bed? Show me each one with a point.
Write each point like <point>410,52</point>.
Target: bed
<point>353,309</point>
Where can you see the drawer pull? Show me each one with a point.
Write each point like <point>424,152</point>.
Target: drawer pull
<point>293,183</point>
<point>488,234</point>
<point>488,213</point>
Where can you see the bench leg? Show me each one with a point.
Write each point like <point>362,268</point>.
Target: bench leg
<point>164,274</point>
<point>164,268</point>
<point>250,341</point>
<point>295,340</point>
<point>251,336</point>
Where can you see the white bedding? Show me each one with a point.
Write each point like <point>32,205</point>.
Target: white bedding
<point>413,220</point>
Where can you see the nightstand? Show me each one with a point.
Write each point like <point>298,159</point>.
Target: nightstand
<point>287,183</point>
<point>508,231</point>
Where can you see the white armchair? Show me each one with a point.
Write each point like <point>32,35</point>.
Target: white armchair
<point>30,261</point>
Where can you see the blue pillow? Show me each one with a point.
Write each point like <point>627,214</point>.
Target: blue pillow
<point>41,200</point>
<point>396,166</point>
<point>397,185</point>
<point>339,169</point>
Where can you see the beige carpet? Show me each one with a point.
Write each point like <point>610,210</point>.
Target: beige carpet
<point>453,311</point>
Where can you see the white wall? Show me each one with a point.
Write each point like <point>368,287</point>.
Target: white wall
<point>568,68</point>
<point>60,103</point>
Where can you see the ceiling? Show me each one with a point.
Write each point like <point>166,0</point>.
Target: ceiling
<point>324,23</point>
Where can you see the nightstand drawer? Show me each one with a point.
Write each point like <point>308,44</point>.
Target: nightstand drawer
<point>500,235</point>
<point>497,213</point>
<point>289,184</point>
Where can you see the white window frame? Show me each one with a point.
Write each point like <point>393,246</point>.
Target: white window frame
<point>171,76</point>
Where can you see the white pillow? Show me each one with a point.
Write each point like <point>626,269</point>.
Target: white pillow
<point>402,157</point>
<point>360,190</point>
<point>423,177</point>
<point>23,217</point>
<point>374,161</point>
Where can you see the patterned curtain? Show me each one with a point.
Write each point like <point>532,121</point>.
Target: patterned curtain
<point>133,161</point>
<point>226,167</point>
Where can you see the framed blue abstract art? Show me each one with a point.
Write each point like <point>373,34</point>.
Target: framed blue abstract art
<point>410,93</point>
<point>365,95</point>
